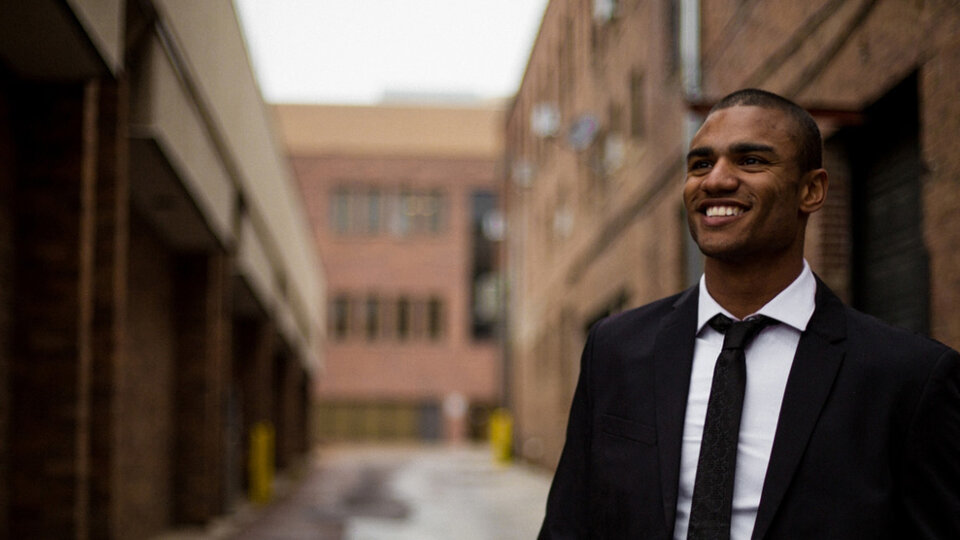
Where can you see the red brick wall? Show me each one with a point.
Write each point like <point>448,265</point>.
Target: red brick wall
<point>145,425</point>
<point>109,303</point>
<point>49,385</point>
<point>255,340</point>
<point>288,374</point>
<point>417,267</point>
<point>627,233</point>
<point>202,370</point>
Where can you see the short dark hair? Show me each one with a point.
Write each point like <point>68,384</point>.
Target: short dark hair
<point>807,135</point>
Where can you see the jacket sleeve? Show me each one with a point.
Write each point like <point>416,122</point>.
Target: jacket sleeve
<point>931,467</point>
<point>568,505</point>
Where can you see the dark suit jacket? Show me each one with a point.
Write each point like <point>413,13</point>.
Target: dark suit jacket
<point>867,445</point>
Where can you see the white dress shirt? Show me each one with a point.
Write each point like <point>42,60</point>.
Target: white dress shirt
<point>769,358</point>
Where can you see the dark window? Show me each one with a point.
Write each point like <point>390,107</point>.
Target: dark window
<point>403,318</point>
<point>485,298</point>
<point>341,316</point>
<point>372,322</point>
<point>435,318</point>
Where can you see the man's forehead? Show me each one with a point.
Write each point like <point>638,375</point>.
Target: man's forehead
<point>745,124</point>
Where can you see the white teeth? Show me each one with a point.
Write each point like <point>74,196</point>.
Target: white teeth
<point>714,211</point>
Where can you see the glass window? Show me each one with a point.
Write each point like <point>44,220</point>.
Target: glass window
<point>408,212</point>
<point>340,210</point>
<point>435,318</point>
<point>340,317</point>
<point>372,315</point>
<point>435,211</point>
<point>373,211</point>
<point>485,293</point>
<point>403,318</point>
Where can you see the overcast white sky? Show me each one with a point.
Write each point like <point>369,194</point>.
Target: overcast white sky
<point>353,51</point>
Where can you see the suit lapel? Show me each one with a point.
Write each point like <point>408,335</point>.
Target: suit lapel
<point>818,358</point>
<point>673,359</point>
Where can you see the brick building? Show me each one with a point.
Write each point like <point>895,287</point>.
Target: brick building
<point>159,293</point>
<point>397,196</point>
<point>596,139</point>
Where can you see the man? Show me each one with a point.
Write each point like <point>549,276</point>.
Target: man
<point>849,428</point>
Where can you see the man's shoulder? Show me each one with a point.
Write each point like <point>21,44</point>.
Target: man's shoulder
<point>878,335</point>
<point>647,316</point>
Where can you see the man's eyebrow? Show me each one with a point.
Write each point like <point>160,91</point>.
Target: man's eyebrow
<point>747,147</point>
<point>700,151</point>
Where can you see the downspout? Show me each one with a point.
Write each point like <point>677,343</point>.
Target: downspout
<point>690,63</point>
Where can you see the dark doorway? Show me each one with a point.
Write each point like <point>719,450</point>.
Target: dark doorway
<point>890,266</point>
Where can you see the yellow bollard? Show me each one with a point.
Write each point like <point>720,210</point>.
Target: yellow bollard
<point>501,435</point>
<point>261,462</point>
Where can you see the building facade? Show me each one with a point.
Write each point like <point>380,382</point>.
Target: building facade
<point>596,140</point>
<point>160,296</point>
<point>403,200</point>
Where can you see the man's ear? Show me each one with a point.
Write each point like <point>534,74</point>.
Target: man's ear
<point>813,190</point>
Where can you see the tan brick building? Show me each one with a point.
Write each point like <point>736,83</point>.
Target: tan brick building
<point>599,128</point>
<point>160,295</point>
<point>398,196</point>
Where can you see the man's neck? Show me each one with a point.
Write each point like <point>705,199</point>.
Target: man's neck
<point>742,289</point>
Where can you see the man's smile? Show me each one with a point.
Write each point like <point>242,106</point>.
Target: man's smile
<point>718,211</point>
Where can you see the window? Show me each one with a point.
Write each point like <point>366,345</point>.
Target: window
<point>372,315</point>
<point>435,318</point>
<point>485,298</point>
<point>341,317</point>
<point>407,212</point>
<point>421,212</point>
<point>375,318</point>
<point>374,211</point>
<point>435,211</point>
<point>340,211</point>
<point>403,319</point>
<point>359,210</point>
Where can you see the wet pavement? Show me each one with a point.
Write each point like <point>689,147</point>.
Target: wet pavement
<point>398,493</point>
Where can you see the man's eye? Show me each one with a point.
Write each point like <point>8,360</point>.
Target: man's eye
<point>752,160</point>
<point>699,164</point>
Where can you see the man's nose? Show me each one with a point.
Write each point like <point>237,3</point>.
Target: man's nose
<point>722,178</point>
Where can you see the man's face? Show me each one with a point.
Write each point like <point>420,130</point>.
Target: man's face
<point>744,191</point>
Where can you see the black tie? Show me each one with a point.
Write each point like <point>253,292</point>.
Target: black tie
<point>713,488</point>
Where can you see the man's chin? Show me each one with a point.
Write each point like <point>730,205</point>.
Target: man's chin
<point>719,251</point>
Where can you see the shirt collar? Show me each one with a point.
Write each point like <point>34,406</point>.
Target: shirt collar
<point>793,306</point>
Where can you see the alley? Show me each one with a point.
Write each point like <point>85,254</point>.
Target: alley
<point>401,493</point>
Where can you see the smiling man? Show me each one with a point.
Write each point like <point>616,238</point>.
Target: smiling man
<point>755,404</point>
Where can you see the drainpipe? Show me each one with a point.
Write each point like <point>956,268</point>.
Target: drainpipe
<point>691,72</point>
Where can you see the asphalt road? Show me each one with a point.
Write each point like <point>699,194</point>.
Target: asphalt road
<point>401,493</point>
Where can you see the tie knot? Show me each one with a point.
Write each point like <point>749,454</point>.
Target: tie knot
<point>739,334</point>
